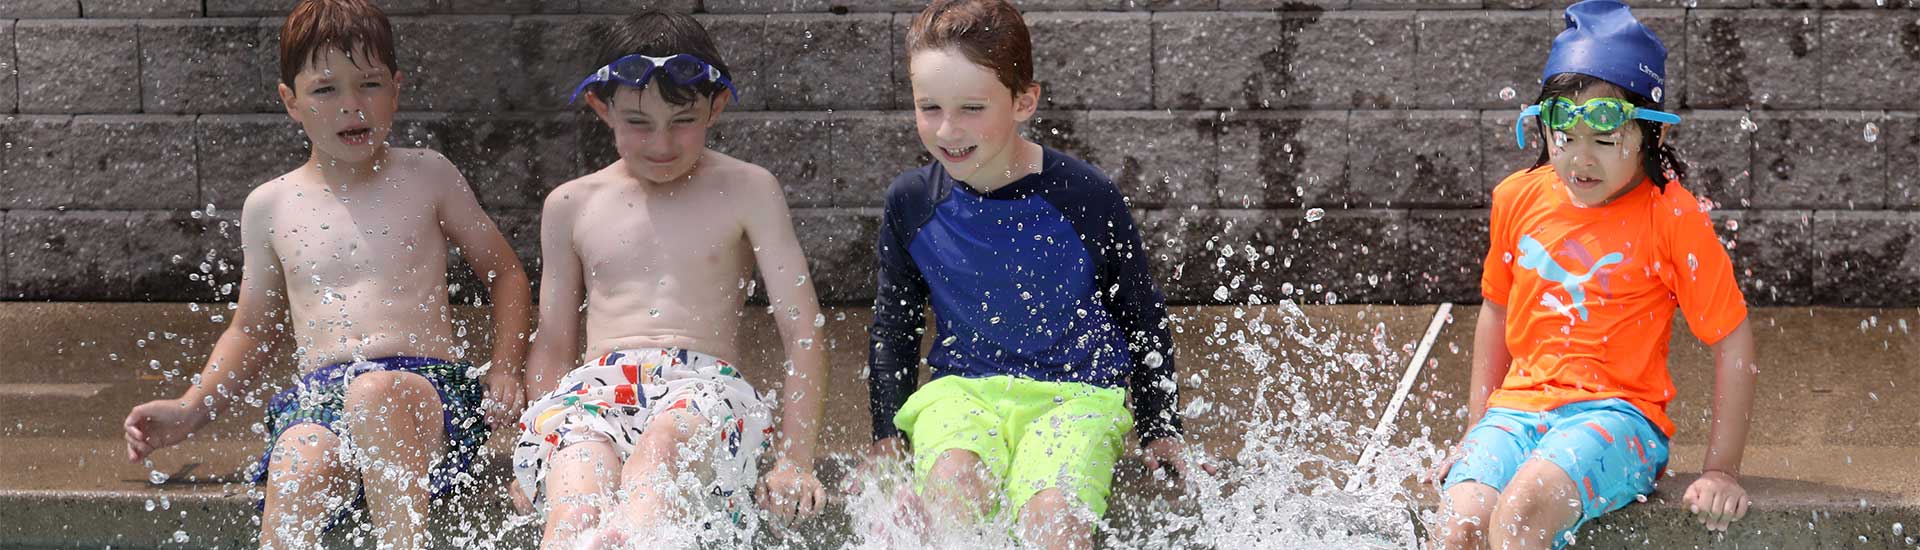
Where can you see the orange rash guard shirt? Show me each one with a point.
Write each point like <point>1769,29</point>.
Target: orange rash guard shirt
<point>1590,292</point>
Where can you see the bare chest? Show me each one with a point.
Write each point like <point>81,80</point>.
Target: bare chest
<point>330,243</point>
<point>688,236</point>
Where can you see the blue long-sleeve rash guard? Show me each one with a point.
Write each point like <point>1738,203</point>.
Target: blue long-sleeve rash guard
<point>1045,278</point>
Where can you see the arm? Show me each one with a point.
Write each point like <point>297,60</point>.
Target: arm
<point>899,319</point>
<point>481,245</point>
<point>1140,310</point>
<point>1734,372</point>
<point>1491,359</point>
<point>239,355</point>
<point>777,253</point>
<point>1717,496</point>
<point>556,348</point>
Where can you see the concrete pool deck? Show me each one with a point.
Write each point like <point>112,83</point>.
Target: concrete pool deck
<point>1831,464</point>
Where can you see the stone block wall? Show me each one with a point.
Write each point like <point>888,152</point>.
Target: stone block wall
<point>133,130</point>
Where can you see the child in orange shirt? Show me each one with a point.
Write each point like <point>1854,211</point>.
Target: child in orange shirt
<point>1590,257</point>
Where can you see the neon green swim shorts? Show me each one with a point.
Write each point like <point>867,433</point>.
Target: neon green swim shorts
<point>1031,435</point>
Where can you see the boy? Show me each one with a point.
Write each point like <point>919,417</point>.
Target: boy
<point>658,250</point>
<point>1047,314</point>
<point>349,251</point>
<point>1593,249</point>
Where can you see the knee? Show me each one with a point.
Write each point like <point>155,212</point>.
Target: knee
<point>1049,505</point>
<point>306,452</point>
<point>1462,534</point>
<point>1529,501</point>
<point>670,429</point>
<point>959,469</point>
<point>393,391</point>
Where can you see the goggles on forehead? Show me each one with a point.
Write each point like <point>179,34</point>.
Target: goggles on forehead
<point>635,70</point>
<point>1602,114</point>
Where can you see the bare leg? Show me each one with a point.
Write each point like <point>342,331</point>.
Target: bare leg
<point>306,483</point>
<point>1539,502</point>
<point>398,429</point>
<point>579,487</point>
<point>957,488</point>
<point>1054,521</point>
<point>667,446</point>
<point>1469,506</point>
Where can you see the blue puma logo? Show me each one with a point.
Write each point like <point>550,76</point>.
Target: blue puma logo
<point>1534,256</point>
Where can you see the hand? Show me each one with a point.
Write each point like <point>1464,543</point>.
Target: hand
<point>521,503</point>
<point>1171,454</point>
<point>159,424</point>
<point>1437,474</point>
<point>504,398</point>
<point>1717,499</point>
<point>889,450</point>
<point>791,491</point>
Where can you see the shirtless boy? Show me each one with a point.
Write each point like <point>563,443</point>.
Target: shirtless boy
<point>347,255</point>
<point>660,248</point>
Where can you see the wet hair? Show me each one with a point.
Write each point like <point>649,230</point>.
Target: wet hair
<point>1657,157</point>
<point>989,33</point>
<point>659,34</point>
<point>352,26</point>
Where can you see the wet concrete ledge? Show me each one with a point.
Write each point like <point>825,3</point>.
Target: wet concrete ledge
<point>1831,462</point>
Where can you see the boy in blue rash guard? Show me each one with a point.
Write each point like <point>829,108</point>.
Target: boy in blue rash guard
<point>1047,314</point>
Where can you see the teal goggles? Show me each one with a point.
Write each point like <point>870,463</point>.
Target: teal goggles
<point>1602,114</point>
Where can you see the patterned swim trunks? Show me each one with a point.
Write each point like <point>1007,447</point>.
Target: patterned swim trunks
<point>612,398</point>
<point>319,396</point>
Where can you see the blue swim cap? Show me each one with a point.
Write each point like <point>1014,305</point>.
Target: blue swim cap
<point>1604,41</point>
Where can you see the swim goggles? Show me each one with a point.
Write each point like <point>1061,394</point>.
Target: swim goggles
<point>1602,114</point>
<point>635,70</point>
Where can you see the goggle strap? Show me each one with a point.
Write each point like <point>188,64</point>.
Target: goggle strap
<point>1520,124</point>
<point>1656,116</point>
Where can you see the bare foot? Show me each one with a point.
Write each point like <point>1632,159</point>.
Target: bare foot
<point>910,512</point>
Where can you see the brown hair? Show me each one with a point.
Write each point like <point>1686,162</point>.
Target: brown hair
<point>346,25</point>
<point>990,33</point>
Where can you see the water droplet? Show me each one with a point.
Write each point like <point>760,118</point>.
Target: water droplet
<point>1746,123</point>
<point>1507,93</point>
<point>156,477</point>
<point>1222,294</point>
<point>150,505</point>
<point>1733,225</point>
<point>1315,214</point>
<point>181,537</point>
<point>1871,133</point>
<point>653,312</point>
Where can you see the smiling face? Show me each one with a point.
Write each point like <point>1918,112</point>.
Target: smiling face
<point>1597,167</point>
<point>345,103</point>
<point>966,118</point>
<point>660,141</point>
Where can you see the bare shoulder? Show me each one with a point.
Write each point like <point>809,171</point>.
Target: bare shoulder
<point>264,199</point>
<point>424,165</point>
<point>569,196</point>
<point>741,178</point>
